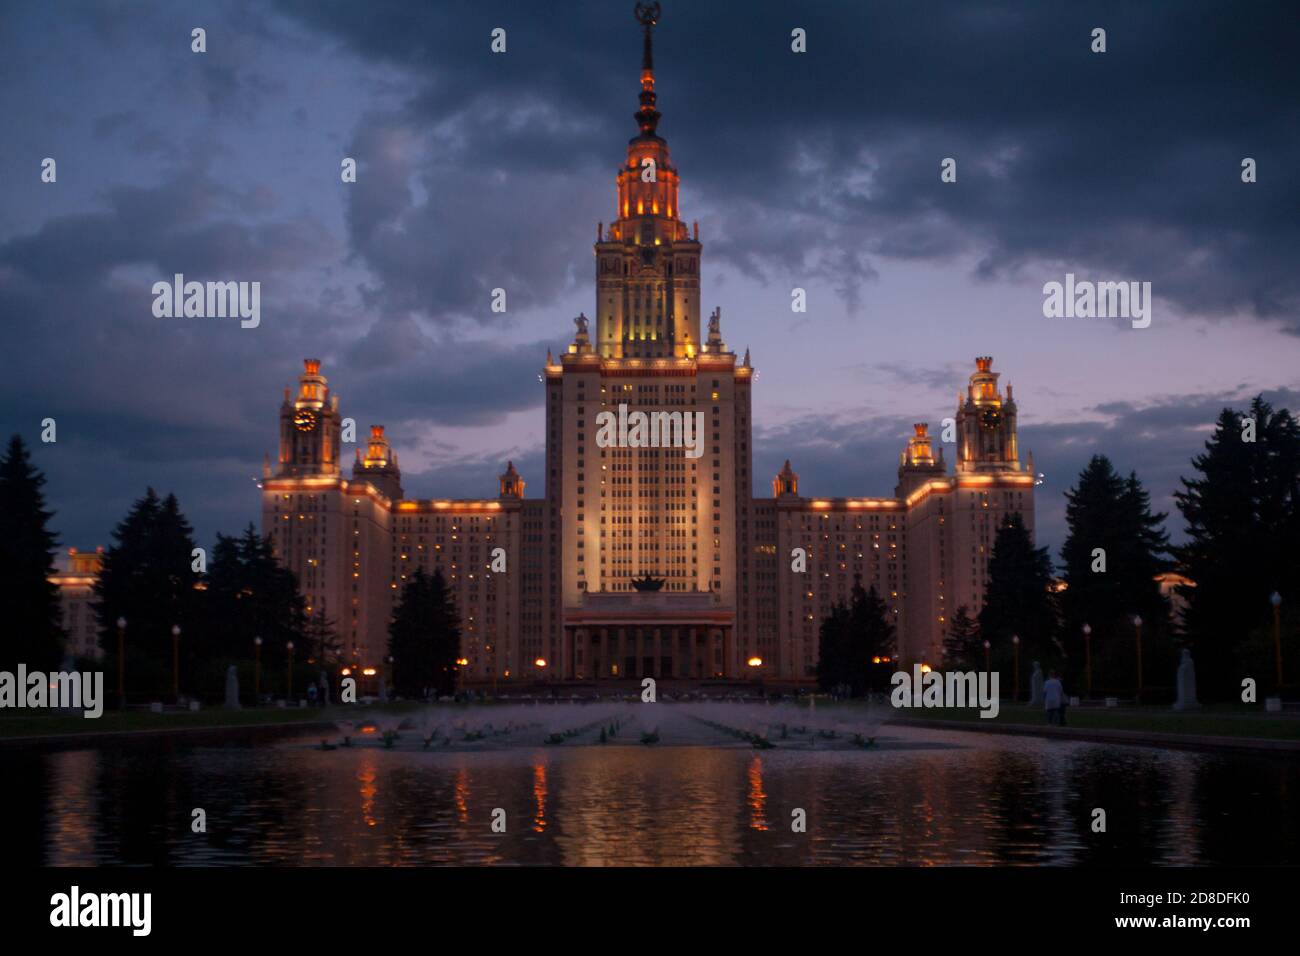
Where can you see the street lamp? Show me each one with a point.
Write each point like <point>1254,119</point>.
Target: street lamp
<point>1015,672</point>
<point>257,671</point>
<point>176,662</point>
<point>121,663</point>
<point>289,672</point>
<point>1137,629</point>
<point>987,645</point>
<point>392,672</point>
<point>1276,600</point>
<point>1087,658</point>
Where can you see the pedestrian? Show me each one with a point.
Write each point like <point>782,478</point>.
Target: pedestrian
<point>1054,700</point>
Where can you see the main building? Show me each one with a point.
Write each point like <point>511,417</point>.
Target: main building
<point>644,561</point>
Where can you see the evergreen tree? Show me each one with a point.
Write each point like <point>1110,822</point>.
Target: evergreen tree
<point>148,579</point>
<point>832,649</point>
<point>323,643</point>
<point>30,602</point>
<point>1107,512</point>
<point>849,638</point>
<point>1017,600</point>
<point>424,637</point>
<point>962,645</point>
<point>1243,518</point>
<point>250,595</point>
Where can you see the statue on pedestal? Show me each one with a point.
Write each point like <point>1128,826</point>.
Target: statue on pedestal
<point>1036,686</point>
<point>232,688</point>
<point>1186,683</point>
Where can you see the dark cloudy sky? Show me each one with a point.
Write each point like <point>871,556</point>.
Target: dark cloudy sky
<point>481,170</point>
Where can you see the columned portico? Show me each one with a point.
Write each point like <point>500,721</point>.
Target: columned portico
<point>633,635</point>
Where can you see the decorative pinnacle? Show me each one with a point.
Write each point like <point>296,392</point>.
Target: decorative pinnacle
<point>647,117</point>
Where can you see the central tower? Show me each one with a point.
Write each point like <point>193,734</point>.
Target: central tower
<point>626,510</point>
<point>647,264</point>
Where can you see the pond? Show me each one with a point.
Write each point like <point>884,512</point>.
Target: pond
<point>700,796</point>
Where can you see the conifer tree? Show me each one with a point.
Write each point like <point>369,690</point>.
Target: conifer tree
<point>1017,600</point>
<point>962,645</point>
<point>1114,548</point>
<point>33,631</point>
<point>1242,509</point>
<point>424,637</point>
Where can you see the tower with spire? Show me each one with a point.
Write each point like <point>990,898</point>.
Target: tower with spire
<point>627,512</point>
<point>647,264</point>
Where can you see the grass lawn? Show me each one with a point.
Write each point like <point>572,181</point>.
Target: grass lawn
<point>1210,721</point>
<point>39,723</point>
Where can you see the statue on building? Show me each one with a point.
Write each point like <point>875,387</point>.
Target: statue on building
<point>581,323</point>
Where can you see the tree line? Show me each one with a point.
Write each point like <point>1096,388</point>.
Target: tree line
<point>152,578</point>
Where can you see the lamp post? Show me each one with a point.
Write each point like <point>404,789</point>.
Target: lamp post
<point>257,671</point>
<point>176,663</point>
<point>1137,630</point>
<point>392,672</point>
<point>289,672</point>
<point>987,645</point>
<point>1276,600</point>
<point>121,663</point>
<point>1015,669</point>
<point>1087,658</point>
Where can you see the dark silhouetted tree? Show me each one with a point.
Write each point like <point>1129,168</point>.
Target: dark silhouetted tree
<point>963,647</point>
<point>849,638</point>
<point>29,602</point>
<point>249,595</point>
<point>1105,511</point>
<point>148,578</point>
<point>424,637</point>
<point>1242,509</point>
<point>1017,599</point>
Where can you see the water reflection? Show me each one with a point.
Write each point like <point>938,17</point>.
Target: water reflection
<point>920,798</point>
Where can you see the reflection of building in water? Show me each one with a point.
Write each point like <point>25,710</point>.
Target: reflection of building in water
<point>646,561</point>
<point>73,808</point>
<point>621,806</point>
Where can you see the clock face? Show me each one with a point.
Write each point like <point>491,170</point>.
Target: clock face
<point>305,420</point>
<point>991,418</point>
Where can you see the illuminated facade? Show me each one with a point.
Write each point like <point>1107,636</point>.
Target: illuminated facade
<point>76,584</point>
<point>645,561</point>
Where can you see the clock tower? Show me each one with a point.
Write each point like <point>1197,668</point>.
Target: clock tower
<point>309,426</point>
<point>986,424</point>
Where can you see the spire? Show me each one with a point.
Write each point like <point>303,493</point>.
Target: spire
<point>647,116</point>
